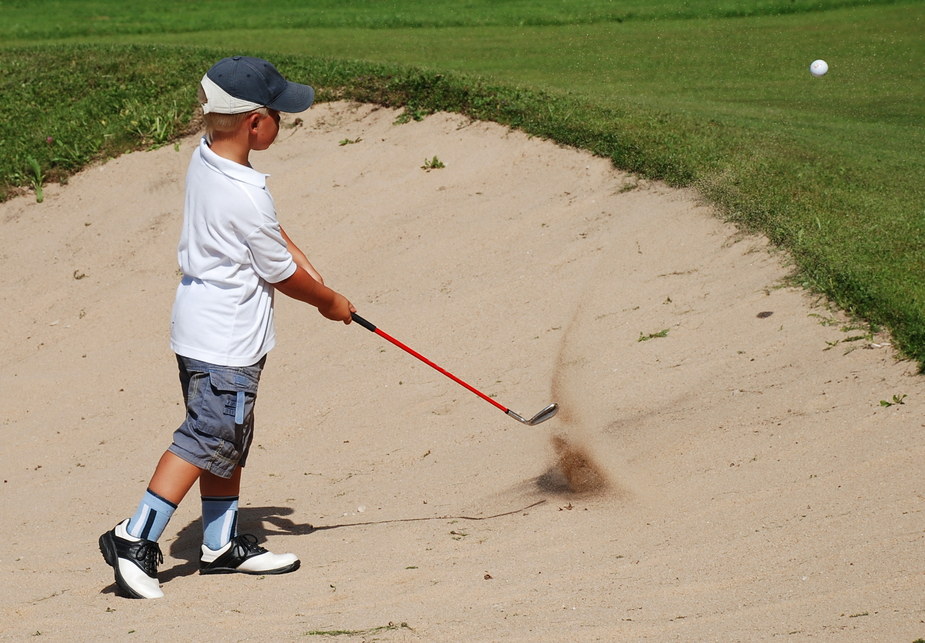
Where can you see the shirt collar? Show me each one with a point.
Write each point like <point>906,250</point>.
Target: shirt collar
<point>231,169</point>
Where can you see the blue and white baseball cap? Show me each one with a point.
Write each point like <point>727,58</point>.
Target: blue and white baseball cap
<point>242,83</point>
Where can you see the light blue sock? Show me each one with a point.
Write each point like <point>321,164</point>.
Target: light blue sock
<point>151,517</point>
<point>219,521</point>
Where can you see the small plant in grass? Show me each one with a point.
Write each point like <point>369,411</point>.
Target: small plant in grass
<point>36,178</point>
<point>433,164</point>
<point>69,156</point>
<point>349,141</point>
<point>645,338</point>
<point>897,399</point>
<point>150,123</point>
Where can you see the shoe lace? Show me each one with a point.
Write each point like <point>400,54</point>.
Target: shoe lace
<point>149,555</point>
<point>247,544</point>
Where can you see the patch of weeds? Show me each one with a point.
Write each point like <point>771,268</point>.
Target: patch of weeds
<point>69,156</point>
<point>373,630</point>
<point>897,399</point>
<point>867,331</point>
<point>645,338</point>
<point>150,123</point>
<point>411,113</point>
<point>824,321</point>
<point>349,141</point>
<point>433,164</point>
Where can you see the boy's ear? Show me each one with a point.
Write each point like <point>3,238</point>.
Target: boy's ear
<point>252,120</point>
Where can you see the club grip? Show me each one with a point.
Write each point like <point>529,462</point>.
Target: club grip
<point>362,322</point>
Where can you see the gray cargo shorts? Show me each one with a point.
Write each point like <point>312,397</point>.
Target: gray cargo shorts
<point>219,427</point>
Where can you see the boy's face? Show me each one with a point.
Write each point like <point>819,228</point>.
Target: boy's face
<point>266,130</point>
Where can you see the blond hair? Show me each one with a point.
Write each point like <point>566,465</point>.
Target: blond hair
<point>222,123</point>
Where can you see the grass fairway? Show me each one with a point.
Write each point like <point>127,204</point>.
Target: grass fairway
<point>715,95</point>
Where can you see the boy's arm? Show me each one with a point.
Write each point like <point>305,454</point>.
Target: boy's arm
<point>299,257</point>
<point>302,286</point>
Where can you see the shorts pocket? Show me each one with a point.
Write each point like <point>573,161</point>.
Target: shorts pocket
<point>237,389</point>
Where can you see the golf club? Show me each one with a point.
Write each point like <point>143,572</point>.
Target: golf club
<point>542,416</point>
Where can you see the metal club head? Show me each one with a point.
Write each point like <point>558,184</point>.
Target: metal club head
<point>542,416</point>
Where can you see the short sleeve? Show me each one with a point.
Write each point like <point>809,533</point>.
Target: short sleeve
<point>270,257</point>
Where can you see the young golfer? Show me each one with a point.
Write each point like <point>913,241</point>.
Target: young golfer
<point>233,254</point>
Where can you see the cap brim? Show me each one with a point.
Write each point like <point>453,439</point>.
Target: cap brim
<point>295,98</point>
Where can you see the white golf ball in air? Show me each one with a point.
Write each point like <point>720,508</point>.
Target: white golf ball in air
<point>818,68</point>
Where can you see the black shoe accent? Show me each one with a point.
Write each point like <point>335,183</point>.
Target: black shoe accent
<point>146,554</point>
<point>242,548</point>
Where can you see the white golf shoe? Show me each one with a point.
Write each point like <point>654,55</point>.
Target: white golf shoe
<point>133,560</point>
<point>244,556</point>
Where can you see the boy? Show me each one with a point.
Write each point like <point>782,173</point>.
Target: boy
<point>233,254</point>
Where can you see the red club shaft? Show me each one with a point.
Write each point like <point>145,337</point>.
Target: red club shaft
<point>369,326</point>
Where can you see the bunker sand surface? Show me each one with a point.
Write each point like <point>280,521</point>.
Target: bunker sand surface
<point>755,485</point>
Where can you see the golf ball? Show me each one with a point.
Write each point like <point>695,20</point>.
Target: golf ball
<point>818,68</point>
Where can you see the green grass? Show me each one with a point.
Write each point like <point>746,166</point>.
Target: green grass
<point>710,94</point>
<point>37,19</point>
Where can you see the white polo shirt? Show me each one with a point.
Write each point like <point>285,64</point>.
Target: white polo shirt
<point>231,251</point>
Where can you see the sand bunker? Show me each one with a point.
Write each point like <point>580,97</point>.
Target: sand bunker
<point>772,495</point>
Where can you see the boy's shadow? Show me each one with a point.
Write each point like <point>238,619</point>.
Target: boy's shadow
<point>259,521</point>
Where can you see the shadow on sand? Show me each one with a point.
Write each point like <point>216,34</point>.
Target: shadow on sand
<point>264,521</point>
